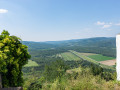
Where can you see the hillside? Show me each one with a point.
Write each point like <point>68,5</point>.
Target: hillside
<point>89,42</point>
<point>76,79</point>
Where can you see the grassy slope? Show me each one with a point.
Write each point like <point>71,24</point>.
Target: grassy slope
<point>100,57</point>
<point>31,64</point>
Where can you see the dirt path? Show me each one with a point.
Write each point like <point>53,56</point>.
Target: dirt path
<point>108,62</point>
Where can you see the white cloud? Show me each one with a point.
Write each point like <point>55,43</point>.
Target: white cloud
<point>3,11</point>
<point>118,24</point>
<point>106,26</point>
<point>100,23</point>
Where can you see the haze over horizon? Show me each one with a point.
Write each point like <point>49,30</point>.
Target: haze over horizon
<point>55,20</point>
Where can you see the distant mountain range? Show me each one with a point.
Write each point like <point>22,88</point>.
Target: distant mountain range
<point>109,42</point>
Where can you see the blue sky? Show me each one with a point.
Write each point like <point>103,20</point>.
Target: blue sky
<point>52,20</point>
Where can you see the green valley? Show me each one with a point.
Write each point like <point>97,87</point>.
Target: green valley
<point>63,59</point>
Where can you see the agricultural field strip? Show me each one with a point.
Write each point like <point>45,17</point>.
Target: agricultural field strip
<point>83,57</point>
<point>89,59</point>
<point>100,57</point>
<point>31,64</point>
<point>108,62</point>
<point>88,54</point>
<point>69,56</point>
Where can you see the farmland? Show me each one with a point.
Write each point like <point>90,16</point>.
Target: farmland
<point>109,62</point>
<point>31,64</point>
<point>88,54</point>
<point>69,56</point>
<point>91,57</point>
<point>83,56</point>
<point>100,57</point>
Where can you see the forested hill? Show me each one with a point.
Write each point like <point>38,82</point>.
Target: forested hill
<point>100,45</point>
<point>90,42</point>
<point>38,45</point>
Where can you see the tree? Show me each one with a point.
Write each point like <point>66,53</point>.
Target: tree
<point>13,56</point>
<point>55,69</point>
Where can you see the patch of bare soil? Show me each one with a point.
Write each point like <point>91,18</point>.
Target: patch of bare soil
<point>108,62</point>
<point>88,54</point>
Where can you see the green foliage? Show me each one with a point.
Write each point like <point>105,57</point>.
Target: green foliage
<point>108,76</point>
<point>13,56</point>
<point>100,57</point>
<point>74,80</point>
<point>96,70</point>
<point>56,69</point>
<point>37,85</point>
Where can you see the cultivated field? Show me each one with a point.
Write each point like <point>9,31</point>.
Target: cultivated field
<point>95,58</point>
<point>69,56</point>
<point>83,56</point>
<point>88,54</point>
<point>100,57</point>
<point>31,64</point>
<point>108,62</point>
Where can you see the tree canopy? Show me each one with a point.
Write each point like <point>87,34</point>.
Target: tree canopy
<point>13,56</point>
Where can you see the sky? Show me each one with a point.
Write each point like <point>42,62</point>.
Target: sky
<point>53,20</point>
